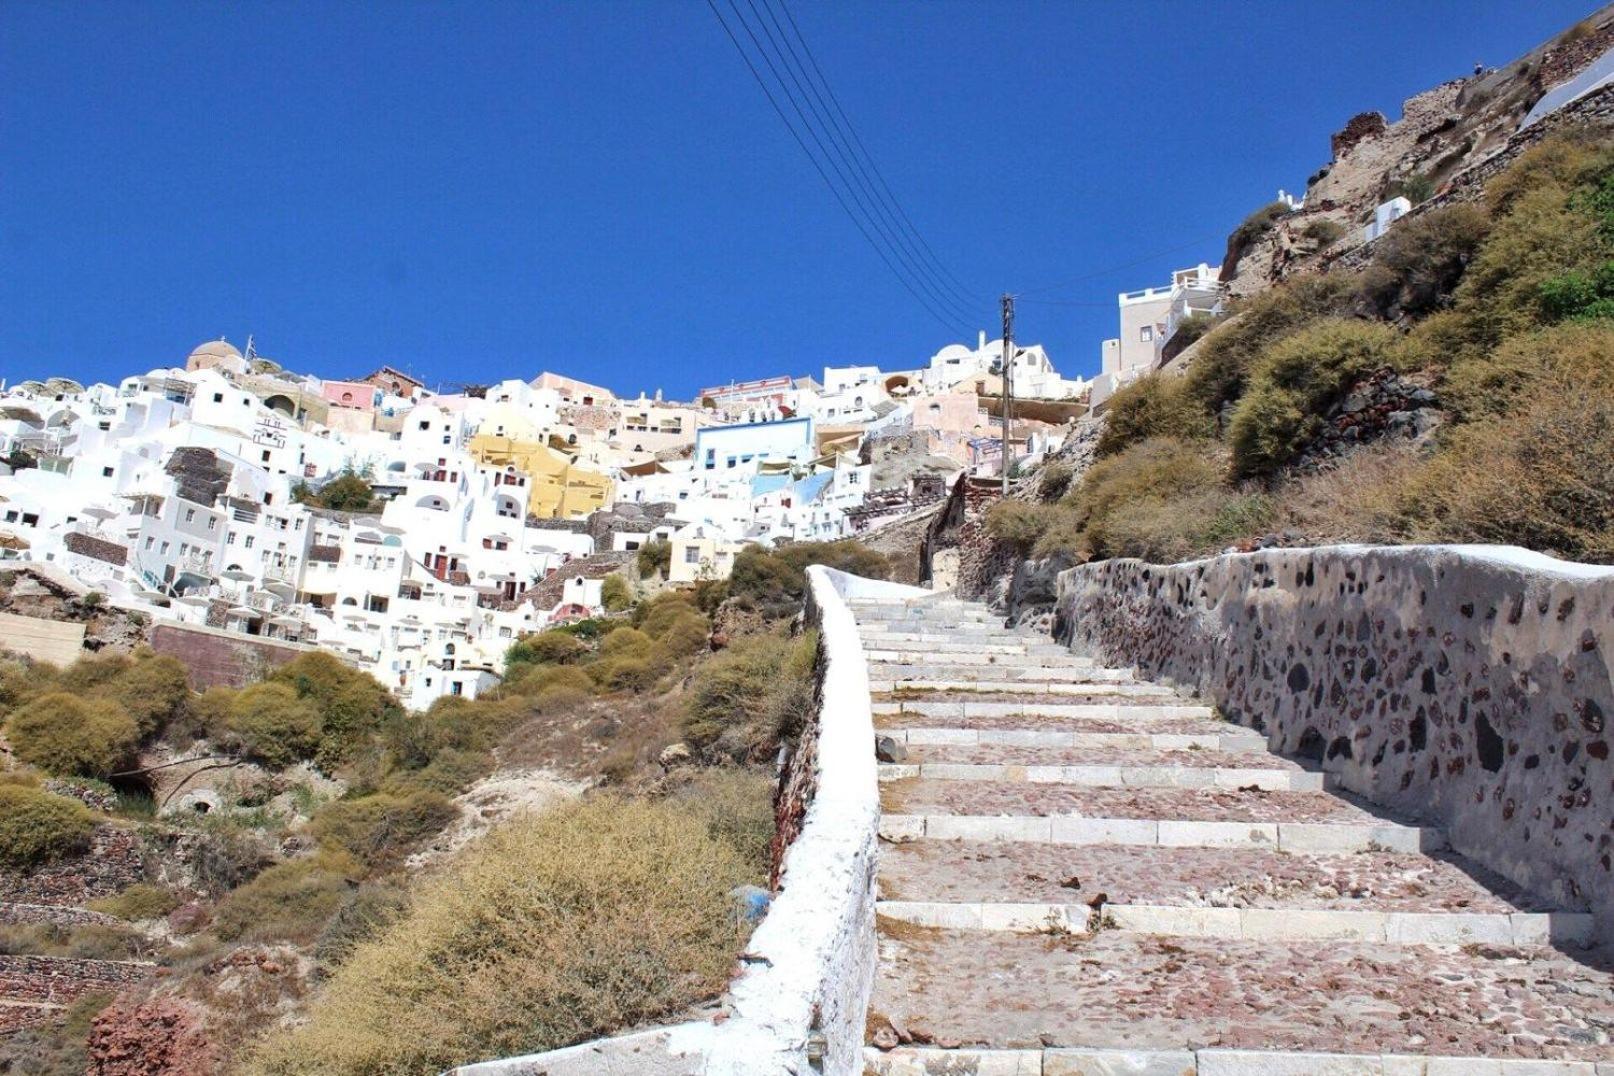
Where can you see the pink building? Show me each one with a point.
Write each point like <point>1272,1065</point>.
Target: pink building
<point>356,394</point>
<point>951,412</point>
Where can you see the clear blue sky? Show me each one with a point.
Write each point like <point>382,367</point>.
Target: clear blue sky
<point>482,190</point>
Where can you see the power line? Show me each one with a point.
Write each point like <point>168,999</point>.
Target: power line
<point>945,319</point>
<point>879,190</point>
<point>832,153</point>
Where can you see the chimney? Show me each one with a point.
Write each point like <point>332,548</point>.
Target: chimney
<point>982,345</point>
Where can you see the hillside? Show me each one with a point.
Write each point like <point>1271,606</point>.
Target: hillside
<point>1452,381</point>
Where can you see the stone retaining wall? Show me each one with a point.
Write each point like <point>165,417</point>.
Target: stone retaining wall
<point>1468,686</point>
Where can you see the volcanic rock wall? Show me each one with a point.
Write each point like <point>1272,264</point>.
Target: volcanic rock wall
<point>1467,686</point>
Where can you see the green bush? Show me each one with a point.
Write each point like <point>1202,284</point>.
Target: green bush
<point>1152,406</point>
<point>290,901</point>
<point>1416,188</point>
<point>64,734</point>
<point>654,558</point>
<point>1296,380</point>
<point>381,829</point>
<point>1579,295</point>
<point>37,827</point>
<point>556,928</point>
<point>350,704</point>
<point>270,724</point>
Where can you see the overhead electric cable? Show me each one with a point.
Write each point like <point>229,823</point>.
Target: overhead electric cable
<point>890,197</point>
<point>905,238</point>
<point>944,318</point>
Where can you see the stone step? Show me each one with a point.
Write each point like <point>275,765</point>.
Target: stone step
<point>1044,708</point>
<point>1122,990</point>
<point>1008,648</point>
<point>1573,929</point>
<point>888,686</point>
<point>1012,675</point>
<point>1201,736</point>
<point>1238,807</point>
<point>1122,754</point>
<point>930,654</point>
<point>1301,838</point>
<point>1196,878</point>
<point>1077,1061</point>
<point>1111,776</point>
<point>896,633</point>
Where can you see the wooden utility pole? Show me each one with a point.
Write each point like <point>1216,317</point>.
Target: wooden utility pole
<point>1008,386</point>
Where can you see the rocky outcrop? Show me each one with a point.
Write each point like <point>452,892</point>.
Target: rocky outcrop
<point>160,1037</point>
<point>1383,405</point>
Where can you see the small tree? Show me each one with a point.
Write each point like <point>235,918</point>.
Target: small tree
<point>615,593</point>
<point>655,558</point>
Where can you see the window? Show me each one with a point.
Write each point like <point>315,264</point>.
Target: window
<point>163,549</point>
<point>11,516</point>
<point>692,555</point>
<point>456,688</point>
<point>1146,334</point>
<point>149,543</point>
<point>249,541</point>
<point>190,515</point>
<point>266,455</point>
<point>218,397</point>
<point>106,472</point>
<point>229,539</point>
<point>212,523</point>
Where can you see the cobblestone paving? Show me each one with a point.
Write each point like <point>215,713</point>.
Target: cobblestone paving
<point>920,796</point>
<point>1193,877</point>
<point>1122,988</point>
<point>1114,989</point>
<point>1009,755</point>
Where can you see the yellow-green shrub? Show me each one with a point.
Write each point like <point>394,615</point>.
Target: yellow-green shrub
<point>153,690</point>
<point>556,928</point>
<point>37,827</point>
<point>1145,478</point>
<point>1152,406</point>
<point>749,696</point>
<point>380,829</point>
<point>1294,383</point>
<point>544,648</point>
<point>139,901</point>
<point>1020,523</point>
<point>65,734</point>
<point>290,901</point>
<point>270,724</point>
<point>1419,262</point>
<point>1512,376</point>
<point>351,704</point>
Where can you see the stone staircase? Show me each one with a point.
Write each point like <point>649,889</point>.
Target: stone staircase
<point>1086,873</point>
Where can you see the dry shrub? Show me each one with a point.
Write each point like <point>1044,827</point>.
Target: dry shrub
<point>38,827</point>
<point>543,648</point>
<point>1020,523</point>
<point>290,901</point>
<point>1418,264</point>
<point>380,829</point>
<point>68,735</point>
<point>736,804</point>
<point>1226,354</point>
<point>139,901</point>
<point>1580,354</point>
<point>750,696</point>
<point>1363,498</point>
<point>556,928</point>
<point>1152,406</point>
<point>269,724</point>
<point>1160,500</point>
<point>1538,478</point>
<point>1293,384</point>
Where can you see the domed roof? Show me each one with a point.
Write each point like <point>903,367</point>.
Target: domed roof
<point>219,349</point>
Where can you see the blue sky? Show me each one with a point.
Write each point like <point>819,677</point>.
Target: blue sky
<point>475,191</point>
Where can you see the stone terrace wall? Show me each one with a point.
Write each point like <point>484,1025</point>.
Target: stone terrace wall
<point>215,658</point>
<point>1466,685</point>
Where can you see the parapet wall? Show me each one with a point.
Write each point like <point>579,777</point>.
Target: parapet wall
<point>1466,685</point>
<point>800,1004</point>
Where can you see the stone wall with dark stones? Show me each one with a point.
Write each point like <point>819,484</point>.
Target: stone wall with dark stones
<point>1467,686</point>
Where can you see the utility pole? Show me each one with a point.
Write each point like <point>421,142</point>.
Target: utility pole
<point>1008,385</point>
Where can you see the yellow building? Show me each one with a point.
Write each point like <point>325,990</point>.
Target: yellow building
<point>559,487</point>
